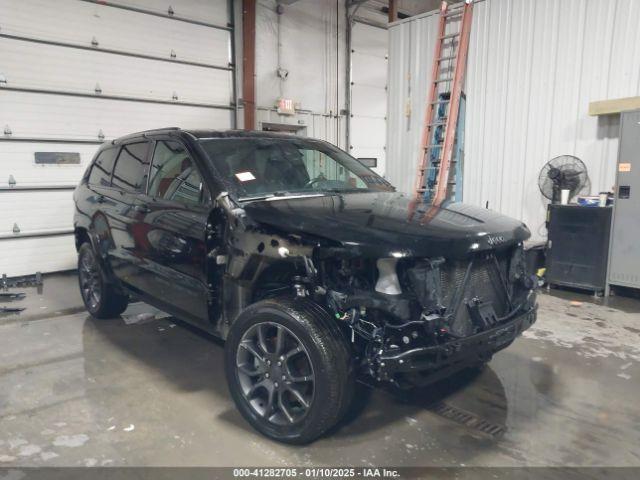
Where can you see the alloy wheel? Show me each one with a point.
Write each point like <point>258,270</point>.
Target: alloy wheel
<point>275,373</point>
<point>90,281</point>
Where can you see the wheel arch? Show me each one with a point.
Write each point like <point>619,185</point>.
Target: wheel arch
<point>81,235</point>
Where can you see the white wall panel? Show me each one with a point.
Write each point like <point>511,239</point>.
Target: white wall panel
<point>368,101</point>
<point>115,28</point>
<point>210,11</point>
<point>369,70</point>
<point>533,69</point>
<point>57,116</point>
<point>33,65</point>
<point>36,211</point>
<point>18,159</point>
<point>369,40</point>
<point>25,256</point>
<point>368,132</point>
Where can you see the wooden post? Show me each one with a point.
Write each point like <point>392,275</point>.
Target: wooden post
<point>393,10</point>
<point>249,63</point>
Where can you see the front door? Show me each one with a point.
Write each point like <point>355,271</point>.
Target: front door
<point>169,231</point>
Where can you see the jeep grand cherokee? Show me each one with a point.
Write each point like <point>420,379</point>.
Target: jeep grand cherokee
<point>312,268</point>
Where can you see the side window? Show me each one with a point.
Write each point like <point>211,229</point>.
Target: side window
<point>101,170</point>
<point>131,168</point>
<point>174,175</point>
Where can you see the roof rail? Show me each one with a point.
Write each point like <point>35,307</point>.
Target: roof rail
<point>144,133</point>
<point>159,130</point>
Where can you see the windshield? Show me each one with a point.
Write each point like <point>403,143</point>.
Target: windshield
<point>262,167</point>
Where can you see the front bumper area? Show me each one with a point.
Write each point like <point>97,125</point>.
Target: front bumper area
<point>425,365</point>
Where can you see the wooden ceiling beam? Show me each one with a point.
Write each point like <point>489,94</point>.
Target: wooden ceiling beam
<point>614,106</point>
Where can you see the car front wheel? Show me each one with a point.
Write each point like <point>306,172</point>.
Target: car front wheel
<point>288,369</point>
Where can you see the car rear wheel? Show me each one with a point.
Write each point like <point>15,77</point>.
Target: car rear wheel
<point>99,296</point>
<point>288,369</point>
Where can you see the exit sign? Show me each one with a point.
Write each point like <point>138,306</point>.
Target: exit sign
<point>286,107</point>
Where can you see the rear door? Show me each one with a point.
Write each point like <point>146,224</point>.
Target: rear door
<point>98,204</point>
<point>170,230</point>
<point>129,180</point>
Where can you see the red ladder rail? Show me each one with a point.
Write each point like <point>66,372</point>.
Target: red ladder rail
<point>427,131</point>
<point>454,106</point>
<point>455,92</point>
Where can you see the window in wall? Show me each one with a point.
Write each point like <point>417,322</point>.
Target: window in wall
<point>131,168</point>
<point>174,175</point>
<point>101,171</point>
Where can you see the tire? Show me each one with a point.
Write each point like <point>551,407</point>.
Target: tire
<point>98,294</point>
<point>262,380</point>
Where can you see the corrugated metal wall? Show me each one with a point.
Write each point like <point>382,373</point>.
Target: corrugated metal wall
<point>533,68</point>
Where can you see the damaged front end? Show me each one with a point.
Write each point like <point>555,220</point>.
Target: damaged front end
<point>410,320</point>
<point>414,321</point>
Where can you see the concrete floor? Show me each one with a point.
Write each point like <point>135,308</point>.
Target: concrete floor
<point>77,391</point>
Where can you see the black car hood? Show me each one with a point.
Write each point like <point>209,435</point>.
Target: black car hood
<point>384,224</point>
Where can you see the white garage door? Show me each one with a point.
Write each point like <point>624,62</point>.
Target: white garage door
<point>74,73</point>
<point>368,130</point>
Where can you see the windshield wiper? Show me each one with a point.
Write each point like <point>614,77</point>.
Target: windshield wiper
<point>283,194</point>
<point>345,190</point>
<point>279,193</point>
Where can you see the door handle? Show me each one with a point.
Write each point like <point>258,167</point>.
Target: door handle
<point>100,199</point>
<point>142,208</point>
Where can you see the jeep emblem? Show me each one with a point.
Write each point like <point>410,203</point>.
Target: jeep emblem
<point>495,240</point>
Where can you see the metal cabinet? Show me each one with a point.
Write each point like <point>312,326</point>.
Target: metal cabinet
<point>624,255</point>
<point>578,246</point>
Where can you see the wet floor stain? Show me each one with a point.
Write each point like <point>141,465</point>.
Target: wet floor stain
<point>594,331</point>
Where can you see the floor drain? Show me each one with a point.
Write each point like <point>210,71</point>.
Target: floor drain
<point>468,419</point>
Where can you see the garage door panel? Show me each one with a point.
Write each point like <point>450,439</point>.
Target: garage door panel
<point>378,153</point>
<point>50,106</point>
<point>369,40</point>
<point>63,117</point>
<point>209,11</point>
<point>18,160</point>
<point>45,254</point>
<point>33,65</point>
<point>368,70</point>
<point>368,101</point>
<point>368,132</point>
<point>368,93</point>
<point>36,211</point>
<point>114,28</point>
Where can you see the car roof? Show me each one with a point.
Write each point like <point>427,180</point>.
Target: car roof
<point>203,133</point>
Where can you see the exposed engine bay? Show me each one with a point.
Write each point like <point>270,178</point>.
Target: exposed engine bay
<point>409,320</point>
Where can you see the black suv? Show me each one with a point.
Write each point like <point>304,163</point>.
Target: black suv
<point>311,267</point>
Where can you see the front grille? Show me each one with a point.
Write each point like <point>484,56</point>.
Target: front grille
<point>485,282</point>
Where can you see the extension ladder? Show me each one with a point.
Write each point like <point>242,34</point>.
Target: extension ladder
<point>434,181</point>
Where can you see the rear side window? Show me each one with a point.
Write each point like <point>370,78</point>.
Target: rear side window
<point>174,175</point>
<point>101,171</point>
<point>131,168</point>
